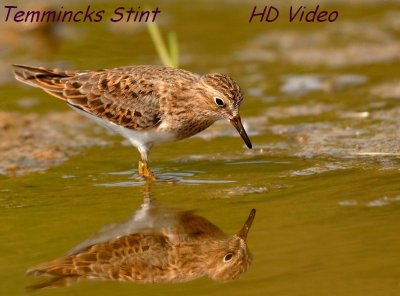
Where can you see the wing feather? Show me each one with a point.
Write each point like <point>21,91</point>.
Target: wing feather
<point>125,96</point>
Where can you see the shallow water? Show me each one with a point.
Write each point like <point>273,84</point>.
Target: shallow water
<point>321,108</point>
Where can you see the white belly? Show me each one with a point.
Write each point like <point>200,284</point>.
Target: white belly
<point>142,139</point>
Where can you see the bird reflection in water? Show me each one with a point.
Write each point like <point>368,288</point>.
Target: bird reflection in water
<point>156,245</point>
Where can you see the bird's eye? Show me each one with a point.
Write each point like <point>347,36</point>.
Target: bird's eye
<point>219,102</point>
<point>228,257</point>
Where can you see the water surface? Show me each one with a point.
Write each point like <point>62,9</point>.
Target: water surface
<point>321,107</point>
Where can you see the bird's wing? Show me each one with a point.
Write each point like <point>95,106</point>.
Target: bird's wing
<point>125,257</point>
<point>123,96</point>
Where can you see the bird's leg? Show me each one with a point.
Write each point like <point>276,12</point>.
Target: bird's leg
<point>147,197</point>
<point>140,168</point>
<point>143,168</point>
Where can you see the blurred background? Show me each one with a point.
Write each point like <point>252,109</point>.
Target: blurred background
<point>321,108</point>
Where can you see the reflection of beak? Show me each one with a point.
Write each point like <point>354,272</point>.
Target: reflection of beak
<point>246,227</point>
<point>237,123</point>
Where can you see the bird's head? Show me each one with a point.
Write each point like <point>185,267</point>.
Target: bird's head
<point>232,257</point>
<point>223,99</point>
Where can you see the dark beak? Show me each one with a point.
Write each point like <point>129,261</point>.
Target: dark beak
<point>246,227</point>
<point>237,123</point>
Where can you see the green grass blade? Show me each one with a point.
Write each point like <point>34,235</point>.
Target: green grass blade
<point>173,48</point>
<point>159,44</point>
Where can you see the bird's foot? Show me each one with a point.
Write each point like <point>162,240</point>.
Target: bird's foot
<point>144,171</point>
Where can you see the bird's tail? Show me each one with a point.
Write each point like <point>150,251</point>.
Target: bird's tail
<point>64,271</point>
<point>61,281</point>
<point>51,81</point>
<point>57,268</point>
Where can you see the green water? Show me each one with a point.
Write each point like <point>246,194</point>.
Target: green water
<point>323,174</point>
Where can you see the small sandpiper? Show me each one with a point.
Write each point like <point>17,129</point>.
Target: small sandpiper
<point>157,245</point>
<point>147,105</point>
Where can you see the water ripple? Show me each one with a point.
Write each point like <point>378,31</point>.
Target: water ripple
<point>162,177</point>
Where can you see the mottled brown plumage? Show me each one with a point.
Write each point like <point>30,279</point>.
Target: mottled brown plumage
<point>155,245</point>
<point>146,104</point>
